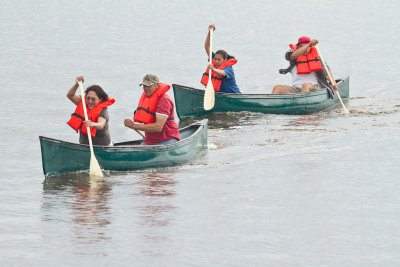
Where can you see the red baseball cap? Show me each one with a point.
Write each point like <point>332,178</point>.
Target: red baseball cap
<point>303,40</point>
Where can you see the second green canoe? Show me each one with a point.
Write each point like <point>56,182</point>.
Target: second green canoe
<point>189,101</point>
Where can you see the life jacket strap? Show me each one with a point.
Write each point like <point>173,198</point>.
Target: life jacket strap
<point>77,115</point>
<point>146,110</point>
<point>213,77</point>
<point>306,61</point>
<point>151,113</point>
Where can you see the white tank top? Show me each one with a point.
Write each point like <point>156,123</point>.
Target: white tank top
<point>299,79</point>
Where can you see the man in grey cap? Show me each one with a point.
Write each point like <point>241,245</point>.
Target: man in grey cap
<point>148,81</point>
<point>155,113</point>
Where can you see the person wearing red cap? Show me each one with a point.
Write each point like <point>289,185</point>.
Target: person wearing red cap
<point>305,67</point>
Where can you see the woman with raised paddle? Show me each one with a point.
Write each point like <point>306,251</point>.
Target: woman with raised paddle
<point>222,75</point>
<point>155,114</point>
<point>306,68</point>
<point>97,102</point>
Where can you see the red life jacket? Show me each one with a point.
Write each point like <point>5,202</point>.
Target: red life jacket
<point>216,79</point>
<point>307,63</point>
<point>77,118</point>
<point>146,110</point>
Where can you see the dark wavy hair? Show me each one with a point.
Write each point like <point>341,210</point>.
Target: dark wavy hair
<point>99,92</point>
<point>224,54</point>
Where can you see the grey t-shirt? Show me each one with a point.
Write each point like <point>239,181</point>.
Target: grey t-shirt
<point>102,137</point>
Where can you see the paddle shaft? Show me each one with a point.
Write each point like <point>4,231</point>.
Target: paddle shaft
<point>209,94</point>
<point>94,165</point>
<point>333,82</point>
<point>86,116</point>
<point>210,57</point>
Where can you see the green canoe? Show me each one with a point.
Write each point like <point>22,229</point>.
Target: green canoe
<point>189,101</point>
<point>59,157</point>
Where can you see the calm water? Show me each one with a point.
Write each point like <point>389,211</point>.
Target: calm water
<point>272,190</point>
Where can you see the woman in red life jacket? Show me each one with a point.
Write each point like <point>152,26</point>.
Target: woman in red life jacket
<point>305,67</point>
<point>97,102</point>
<point>222,74</point>
<point>155,114</point>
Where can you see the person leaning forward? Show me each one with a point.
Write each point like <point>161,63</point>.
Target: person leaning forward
<point>305,67</point>
<point>155,114</point>
<point>97,102</point>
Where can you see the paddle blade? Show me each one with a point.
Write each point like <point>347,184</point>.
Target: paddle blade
<point>209,96</point>
<point>95,169</point>
<point>346,111</point>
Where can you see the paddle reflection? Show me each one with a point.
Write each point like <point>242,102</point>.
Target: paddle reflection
<point>85,201</point>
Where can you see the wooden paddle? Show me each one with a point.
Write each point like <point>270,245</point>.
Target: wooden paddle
<point>209,95</point>
<point>94,165</point>
<point>140,133</point>
<point>333,82</point>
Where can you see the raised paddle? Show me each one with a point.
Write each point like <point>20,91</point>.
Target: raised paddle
<point>209,95</point>
<point>94,165</point>
<point>333,82</point>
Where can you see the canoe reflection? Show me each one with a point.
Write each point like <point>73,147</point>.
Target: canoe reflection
<point>83,199</point>
<point>225,119</point>
<point>157,191</point>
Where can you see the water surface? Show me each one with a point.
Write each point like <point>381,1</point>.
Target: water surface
<point>272,190</point>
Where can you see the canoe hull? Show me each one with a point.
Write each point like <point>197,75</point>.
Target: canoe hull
<point>59,157</point>
<point>189,102</point>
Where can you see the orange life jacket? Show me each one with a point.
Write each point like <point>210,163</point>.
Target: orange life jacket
<point>77,118</point>
<point>307,63</point>
<point>146,110</point>
<point>216,79</point>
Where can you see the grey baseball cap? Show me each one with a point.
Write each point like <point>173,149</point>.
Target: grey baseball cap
<point>149,80</point>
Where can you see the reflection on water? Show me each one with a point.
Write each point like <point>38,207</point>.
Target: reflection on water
<point>305,123</point>
<point>155,207</point>
<point>156,190</point>
<point>155,184</point>
<point>306,120</point>
<point>225,119</point>
<point>86,201</point>
<point>83,207</point>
